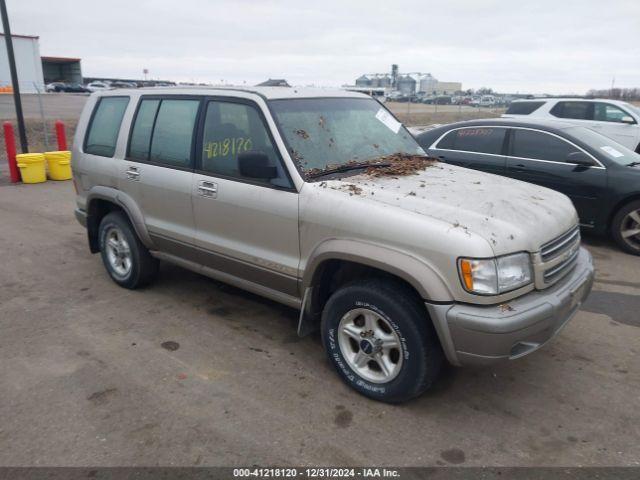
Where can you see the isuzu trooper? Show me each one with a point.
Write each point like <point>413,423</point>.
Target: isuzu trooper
<point>322,200</point>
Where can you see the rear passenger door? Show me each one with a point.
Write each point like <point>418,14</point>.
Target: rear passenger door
<point>158,169</point>
<point>480,148</point>
<point>246,228</point>
<point>540,157</point>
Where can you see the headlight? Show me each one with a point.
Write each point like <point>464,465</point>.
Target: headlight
<point>491,276</point>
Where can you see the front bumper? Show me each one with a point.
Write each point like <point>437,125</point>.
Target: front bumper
<point>481,335</point>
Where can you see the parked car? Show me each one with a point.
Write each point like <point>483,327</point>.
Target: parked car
<point>75,88</point>
<point>120,84</point>
<point>487,101</point>
<point>98,86</point>
<point>54,87</point>
<point>65,87</point>
<point>322,200</point>
<point>612,118</point>
<point>601,177</point>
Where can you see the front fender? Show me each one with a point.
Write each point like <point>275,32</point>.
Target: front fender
<point>418,272</point>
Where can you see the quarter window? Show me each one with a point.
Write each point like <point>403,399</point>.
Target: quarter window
<point>605,112</point>
<point>574,110</point>
<point>523,108</point>
<point>479,140</point>
<point>540,146</point>
<point>141,134</point>
<point>102,134</point>
<point>231,129</point>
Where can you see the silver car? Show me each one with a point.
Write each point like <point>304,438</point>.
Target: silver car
<point>322,200</point>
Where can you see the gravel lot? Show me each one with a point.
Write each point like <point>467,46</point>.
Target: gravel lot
<point>193,372</point>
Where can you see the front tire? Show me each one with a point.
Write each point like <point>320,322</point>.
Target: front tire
<point>625,228</point>
<point>380,340</point>
<point>126,259</point>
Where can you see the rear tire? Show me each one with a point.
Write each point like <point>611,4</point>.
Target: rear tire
<point>378,336</point>
<point>625,227</point>
<point>126,259</point>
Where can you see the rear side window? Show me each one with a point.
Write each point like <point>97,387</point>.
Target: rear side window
<point>478,140</point>
<point>173,132</point>
<point>163,131</point>
<point>102,134</point>
<point>523,108</point>
<point>574,110</point>
<point>540,146</point>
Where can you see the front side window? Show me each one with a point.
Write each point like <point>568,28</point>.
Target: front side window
<point>102,134</point>
<point>540,146</point>
<point>231,129</point>
<point>574,110</point>
<point>323,133</point>
<point>474,139</point>
<point>605,112</point>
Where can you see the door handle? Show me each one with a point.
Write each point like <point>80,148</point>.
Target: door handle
<point>207,189</point>
<point>133,173</point>
<point>519,168</point>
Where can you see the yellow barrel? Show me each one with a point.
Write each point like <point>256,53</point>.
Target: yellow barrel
<point>59,165</point>
<point>31,167</point>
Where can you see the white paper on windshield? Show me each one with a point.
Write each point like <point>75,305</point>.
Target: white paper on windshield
<point>390,122</point>
<point>612,151</point>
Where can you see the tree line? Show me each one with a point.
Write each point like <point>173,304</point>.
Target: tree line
<point>616,93</point>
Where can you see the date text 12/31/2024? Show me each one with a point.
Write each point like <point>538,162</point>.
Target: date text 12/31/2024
<point>322,472</point>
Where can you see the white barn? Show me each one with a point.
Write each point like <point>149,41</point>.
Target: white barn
<point>28,63</point>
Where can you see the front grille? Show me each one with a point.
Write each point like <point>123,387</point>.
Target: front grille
<point>559,245</point>
<point>559,256</point>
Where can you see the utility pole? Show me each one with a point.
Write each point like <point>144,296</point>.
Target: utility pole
<point>14,77</point>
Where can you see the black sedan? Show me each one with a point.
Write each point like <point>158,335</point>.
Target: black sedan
<point>601,177</point>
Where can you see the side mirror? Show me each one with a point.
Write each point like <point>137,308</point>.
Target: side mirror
<point>580,158</point>
<point>256,165</point>
<point>627,119</point>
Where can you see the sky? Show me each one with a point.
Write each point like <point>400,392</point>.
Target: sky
<point>541,46</point>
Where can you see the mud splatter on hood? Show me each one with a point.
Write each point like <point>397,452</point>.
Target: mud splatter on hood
<point>511,215</point>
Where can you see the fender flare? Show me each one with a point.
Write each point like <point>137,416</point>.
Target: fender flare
<point>129,206</point>
<point>421,275</point>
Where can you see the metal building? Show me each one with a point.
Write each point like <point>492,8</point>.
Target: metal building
<point>406,85</point>
<point>427,84</point>
<point>61,69</point>
<point>28,63</point>
<point>363,81</point>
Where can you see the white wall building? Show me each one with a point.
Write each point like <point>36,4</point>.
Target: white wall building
<point>28,63</point>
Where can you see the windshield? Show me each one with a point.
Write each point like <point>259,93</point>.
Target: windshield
<point>325,133</point>
<point>604,145</point>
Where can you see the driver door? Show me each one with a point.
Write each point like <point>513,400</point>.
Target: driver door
<point>246,228</point>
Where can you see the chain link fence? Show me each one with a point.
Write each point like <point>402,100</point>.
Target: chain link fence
<point>40,110</point>
<point>421,114</point>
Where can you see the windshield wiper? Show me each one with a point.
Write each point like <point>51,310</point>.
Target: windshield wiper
<point>346,168</point>
<point>633,164</point>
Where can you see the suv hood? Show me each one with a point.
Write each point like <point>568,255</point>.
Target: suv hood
<point>511,215</point>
